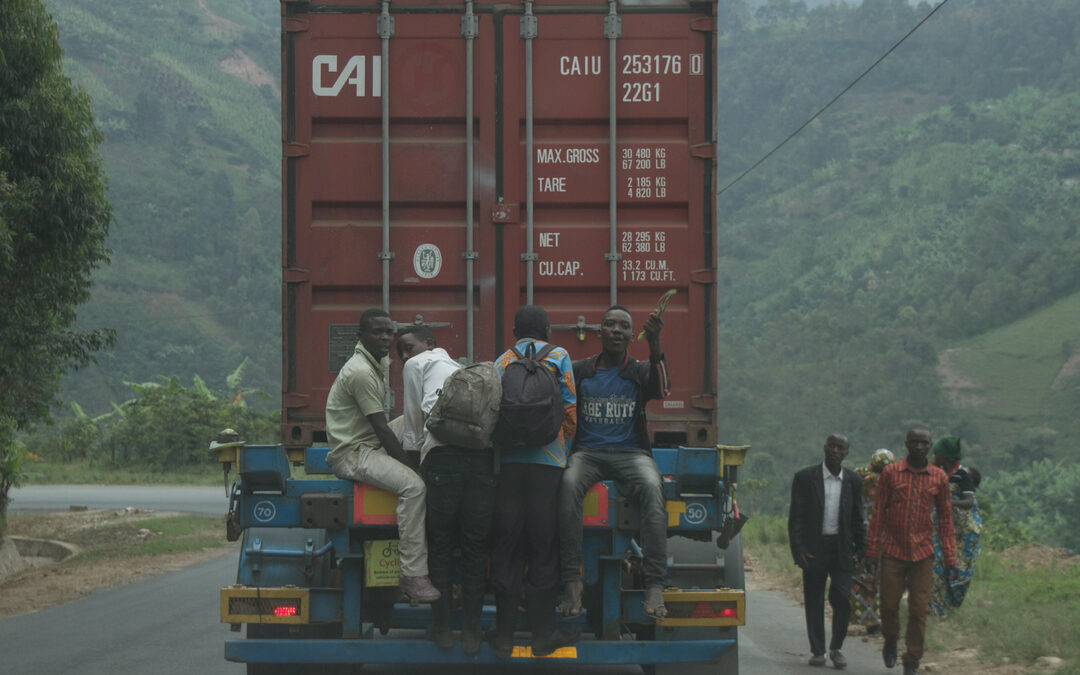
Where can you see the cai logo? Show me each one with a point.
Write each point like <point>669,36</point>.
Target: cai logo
<point>355,73</point>
<point>427,261</point>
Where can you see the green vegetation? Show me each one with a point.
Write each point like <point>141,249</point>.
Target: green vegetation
<point>53,222</point>
<point>920,235</point>
<point>164,430</point>
<point>187,96</point>
<point>1023,604</point>
<point>902,246</point>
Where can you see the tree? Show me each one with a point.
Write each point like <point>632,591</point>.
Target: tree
<point>53,218</point>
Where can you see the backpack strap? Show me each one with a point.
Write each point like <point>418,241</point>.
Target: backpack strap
<point>531,349</point>
<point>548,348</point>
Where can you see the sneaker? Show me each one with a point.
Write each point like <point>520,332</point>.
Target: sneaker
<point>418,588</point>
<point>817,660</point>
<point>838,659</point>
<point>888,653</point>
<point>911,669</point>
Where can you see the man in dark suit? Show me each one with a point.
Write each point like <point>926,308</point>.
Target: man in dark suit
<point>827,536</point>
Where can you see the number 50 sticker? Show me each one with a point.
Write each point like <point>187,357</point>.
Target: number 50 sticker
<point>265,511</point>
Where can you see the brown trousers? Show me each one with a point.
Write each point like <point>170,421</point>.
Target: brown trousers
<point>918,578</point>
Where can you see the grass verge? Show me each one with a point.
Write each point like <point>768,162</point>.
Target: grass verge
<point>1024,602</point>
<point>108,534</point>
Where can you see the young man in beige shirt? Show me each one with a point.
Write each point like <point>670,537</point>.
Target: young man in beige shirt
<point>363,448</point>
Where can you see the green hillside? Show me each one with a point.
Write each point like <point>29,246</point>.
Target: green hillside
<point>187,95</point>
<point>1020,384</point>
<point>913,256</point>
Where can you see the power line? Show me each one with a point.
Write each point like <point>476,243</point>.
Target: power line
<point>834,100</point>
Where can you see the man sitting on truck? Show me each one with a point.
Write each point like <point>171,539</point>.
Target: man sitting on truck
<point>364,449</point>
<point>612,442</point>
<point>460,490</point>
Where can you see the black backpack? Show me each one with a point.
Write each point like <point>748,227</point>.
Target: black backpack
<point>531,412</point>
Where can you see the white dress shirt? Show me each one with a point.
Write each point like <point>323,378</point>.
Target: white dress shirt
<point>830,522</point>
<point>423,375</point>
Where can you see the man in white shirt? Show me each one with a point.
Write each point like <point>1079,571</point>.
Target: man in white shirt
<point>827,536</point>
<point>460,490</point>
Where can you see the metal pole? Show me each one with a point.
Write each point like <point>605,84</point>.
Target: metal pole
<point>612,31</point>
<point>528,27</point>
<point>469,29</point>
<point>385,27</point>
<point>385,31</point>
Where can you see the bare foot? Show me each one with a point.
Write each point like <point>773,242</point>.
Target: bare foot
<point>654,603</point>
<point>571,603</point>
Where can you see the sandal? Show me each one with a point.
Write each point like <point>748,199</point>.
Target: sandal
<point>571,602</point>
<point>654,603</point>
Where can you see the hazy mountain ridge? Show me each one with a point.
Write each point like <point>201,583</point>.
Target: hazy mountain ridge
<point>936,203</point>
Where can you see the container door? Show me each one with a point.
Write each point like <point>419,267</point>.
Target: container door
<point>333,186</point>
<point>662,190</point>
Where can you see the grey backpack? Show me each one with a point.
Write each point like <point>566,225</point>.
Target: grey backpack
<point>467,409</point>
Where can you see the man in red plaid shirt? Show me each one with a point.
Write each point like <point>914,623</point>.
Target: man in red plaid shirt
<point>901,537</point>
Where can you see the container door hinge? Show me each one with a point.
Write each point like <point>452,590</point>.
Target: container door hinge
<point>580,327</point>
<point>703,401</point>
<point>296,150</point>
<point>295,275</point>
<point>294,400</point>
<point>504,213</point>
<point>294,25</point>
<point>418,320</point>
<point>704,277</point>
<point>703,150</point>
<point>470,27</point>
<point>703,24</point>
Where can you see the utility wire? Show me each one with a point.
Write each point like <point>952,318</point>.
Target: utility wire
<point>834,100</point>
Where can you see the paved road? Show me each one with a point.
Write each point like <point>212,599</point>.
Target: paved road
<point>188,499</point>
<point>170,623</point>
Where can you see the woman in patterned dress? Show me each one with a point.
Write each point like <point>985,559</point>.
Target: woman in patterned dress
<point>865,603</point>
<point>945,594</point>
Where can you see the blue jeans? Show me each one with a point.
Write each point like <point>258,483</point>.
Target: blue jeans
<point>637,478</point>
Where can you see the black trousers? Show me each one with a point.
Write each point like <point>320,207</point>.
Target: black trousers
<point>827,565</point>
<point>526,528</point>
<point>460,506</point>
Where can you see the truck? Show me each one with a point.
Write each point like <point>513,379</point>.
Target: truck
<point>450,162</point>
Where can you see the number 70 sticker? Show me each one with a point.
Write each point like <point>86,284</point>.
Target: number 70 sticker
<point>265,511</point>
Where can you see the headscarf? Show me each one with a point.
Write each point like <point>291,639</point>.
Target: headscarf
<point>948,447</point>
<point>881,459</point>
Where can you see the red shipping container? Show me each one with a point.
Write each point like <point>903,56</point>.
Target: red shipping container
<point>370,85</point>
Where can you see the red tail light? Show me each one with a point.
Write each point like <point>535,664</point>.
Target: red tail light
<point>285,610</point>
<point>706,610</point>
